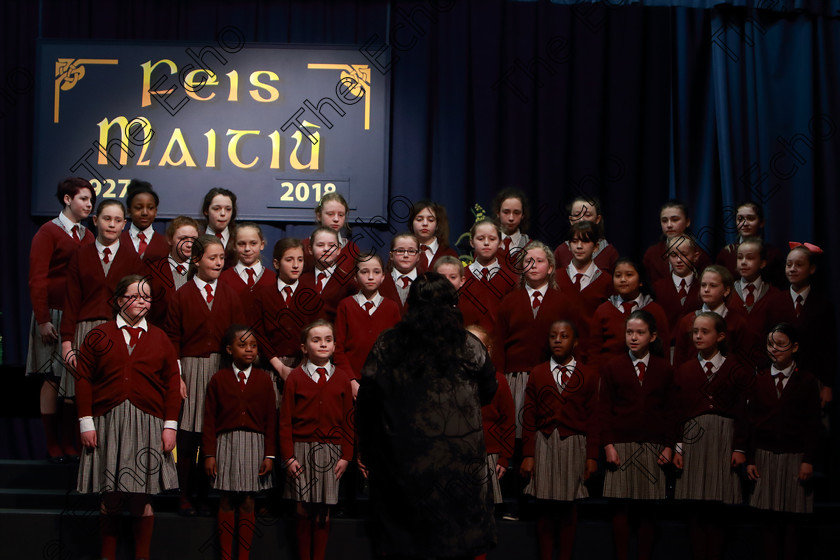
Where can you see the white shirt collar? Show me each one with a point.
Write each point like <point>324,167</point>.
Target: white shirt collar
<point>788,371</point>
<point>396,274</point>
<point>281,285</point>
<point>201,283</point>
<point>134,231</point>
<point>588,273</point>
<point>433,246</point>
<point>556,369</point>
<point>225,234</point>
<point>328,271</point>
<point>720,310</point>
<point>309,368</point>
<point>361,299</point>
<point>246,371</point>
<point>492,268</point>
<point>758,283</point>
<point>67,224</point>
<point>716,361</point>
<point>689,280</point>
<point>635,360</point>
<point>514,238</point>
<point>542,290</point>
<point>115,246</point>
<point>257,267</point>
<point>141,324</point>
<point>175,264</point>
<point>804,293</point>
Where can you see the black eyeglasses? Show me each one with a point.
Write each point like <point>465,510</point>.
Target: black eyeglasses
<point>410,252</point>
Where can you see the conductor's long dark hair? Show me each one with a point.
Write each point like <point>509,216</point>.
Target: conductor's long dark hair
<point>431,336</point>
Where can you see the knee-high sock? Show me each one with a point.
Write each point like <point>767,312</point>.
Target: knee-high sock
<point>566,528</point>
<point>109,528</point>
<point>245,526</point>
<point>621,533</point>
<point>646,536</point>
<point>225,524</point>
<point>545,536</point>
<point>320,532</point>
<point>304,536</point>
<point>143,527</point>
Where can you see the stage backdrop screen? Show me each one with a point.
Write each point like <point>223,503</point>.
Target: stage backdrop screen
<point>278,125</point>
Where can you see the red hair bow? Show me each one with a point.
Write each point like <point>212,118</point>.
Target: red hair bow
<point>810,246</point>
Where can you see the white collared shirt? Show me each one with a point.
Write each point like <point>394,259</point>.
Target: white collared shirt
<point>758,283</point>
<point>542,290</point>
<point>588,274</point>
<point>281,285</point>
<point>635,360</point>
<point>804,293</point>
<point>68,225</point>
<point>328,271</point>
<point>396,275</point>
<point>246,371</point>
<point>492,269</point>
<point>173,264</point>
<point>432,248</point>
<point>376,300</point>
<point>141,324</point>
<point>557,373</point>
<point>134,232</point>
<point>240,268</point>
<point>114,247</point>
<point>689,280</point>
<point>309,368</point>
<point>225,234</point>
<point>720,310</point>
<point>716,361</point>
<point>787,372</point>
<point>617,301</point>
<point>515,239</point>
<point>201,283</point>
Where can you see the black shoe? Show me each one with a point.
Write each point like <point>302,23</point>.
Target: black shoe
<point>71,458</point>
<point>205,511</point>
<point>60,460</point>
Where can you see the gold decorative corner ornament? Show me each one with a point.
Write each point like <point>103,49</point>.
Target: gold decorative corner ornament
<point>359,73</point>
<point>68,72</point>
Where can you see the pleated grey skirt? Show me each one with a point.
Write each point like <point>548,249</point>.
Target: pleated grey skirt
<point>239,455</point>
<point>316,482</point>
<point>639,476</point>
<point>44,359</point>
<point>197,373</point>
<point>67,388</point>
<point>128,457</point>
<point>558,468</point>
<point>779,488</point>
<point>517,381</point>
<point>492,461</point>
<point>707,454</point>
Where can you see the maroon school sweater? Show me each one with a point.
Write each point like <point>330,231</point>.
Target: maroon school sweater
<point>196,330</point>
<point>228,408</point>
<point>310,412</point>
<point>572,412</point>
<point>90,293</point>
<point>108,375</point>
<point>356,332</point>
<point>48,259</point>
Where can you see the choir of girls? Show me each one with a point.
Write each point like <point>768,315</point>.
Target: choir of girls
<point>712,375</point>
